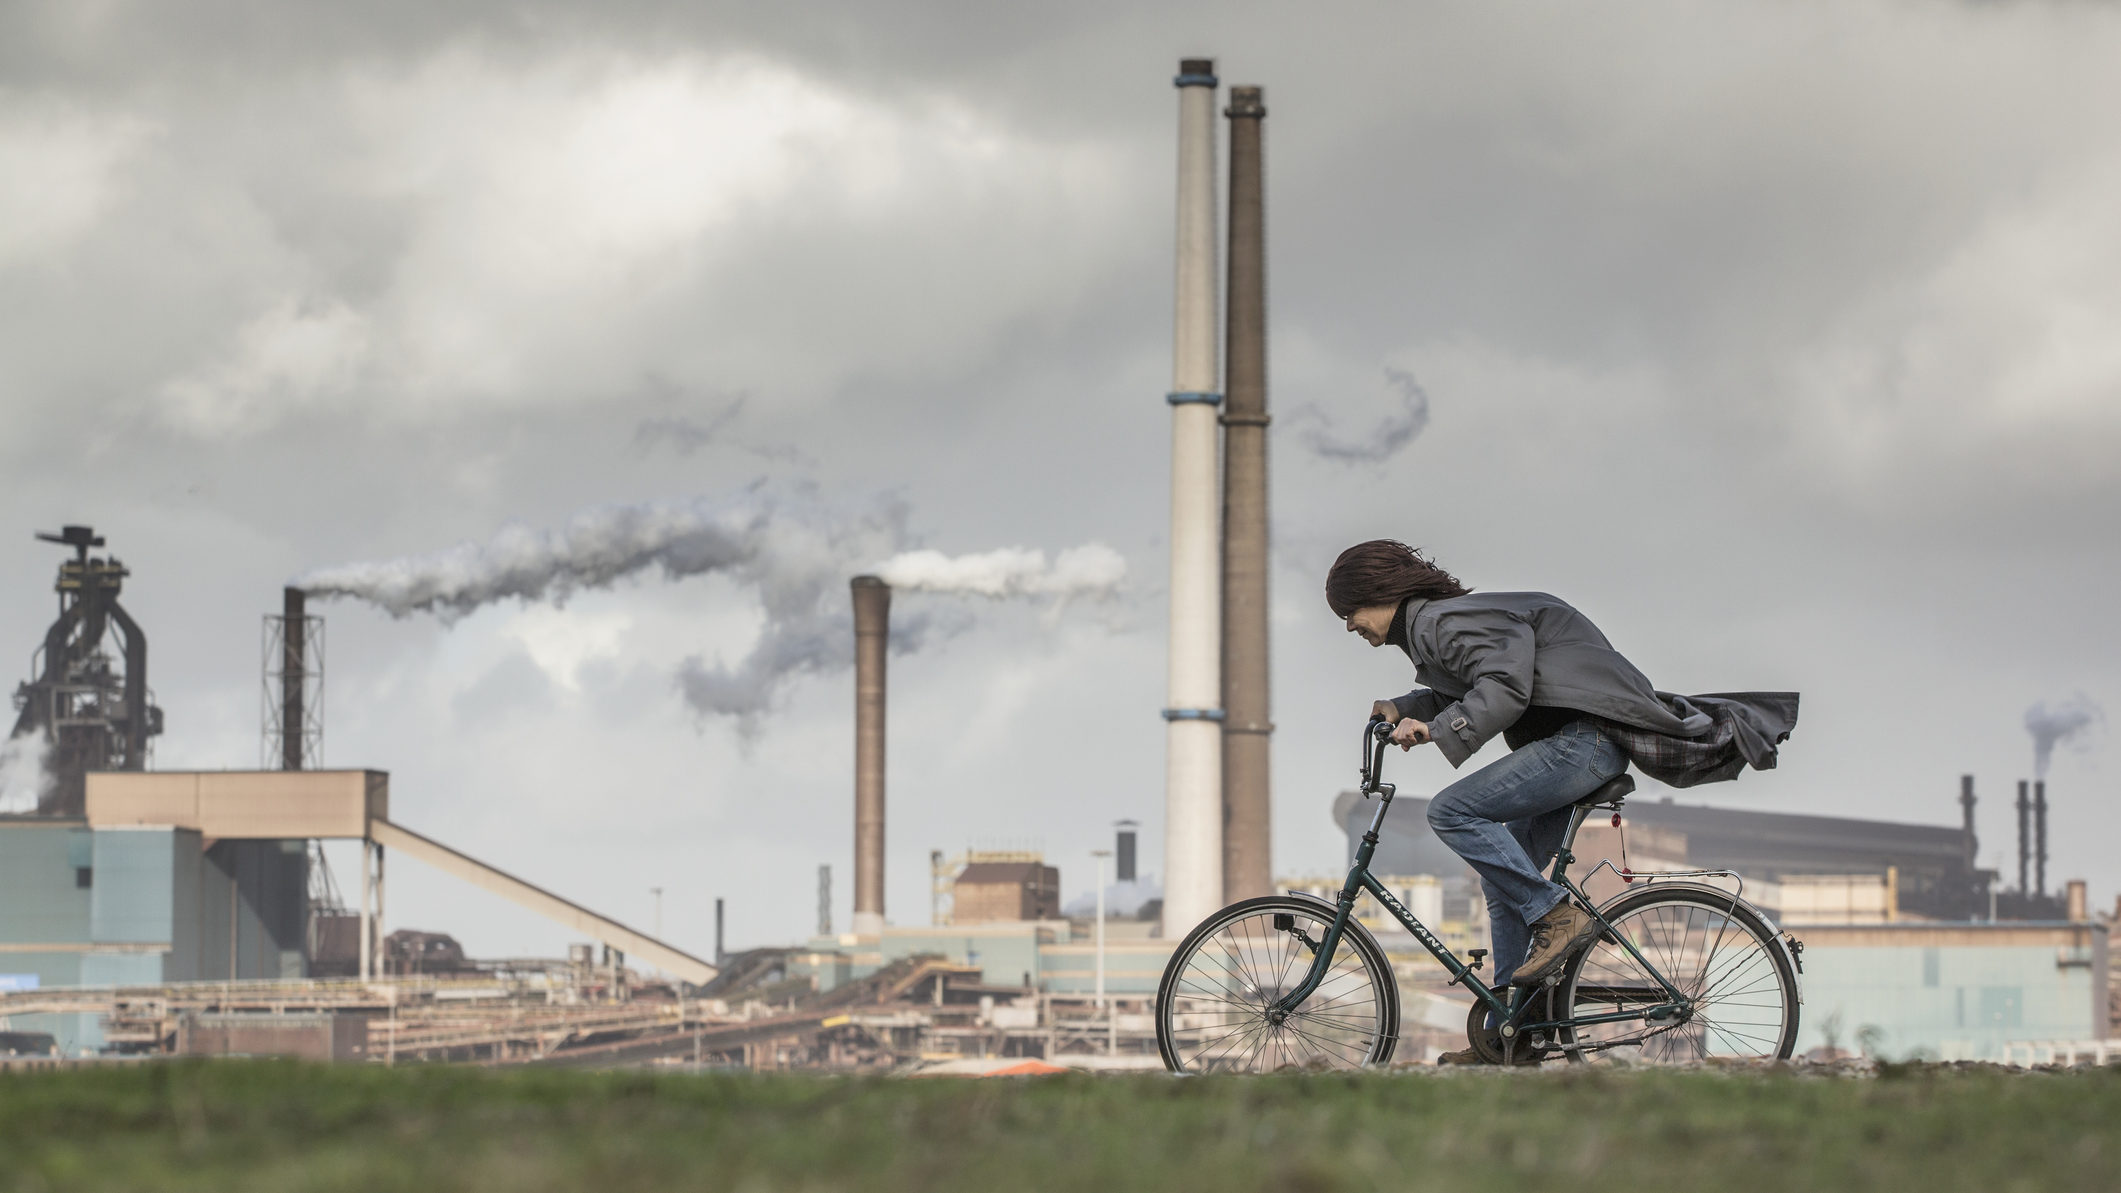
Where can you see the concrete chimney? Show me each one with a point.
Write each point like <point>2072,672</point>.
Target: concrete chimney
<point>294,648</point>
<point>2076,901</point>
<point>2040,838</point>
<point>824,900</point>
<point>1248,865</point>
<point>872,634</point>
<point>1193,811</point>
<point>2025,840</point>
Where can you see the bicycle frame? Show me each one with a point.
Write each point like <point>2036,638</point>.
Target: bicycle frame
<point>1376,736</point>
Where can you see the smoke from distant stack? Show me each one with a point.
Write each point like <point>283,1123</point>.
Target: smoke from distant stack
<point>1320,433</point>
<point>2057,724</point>
<point>795,553</point>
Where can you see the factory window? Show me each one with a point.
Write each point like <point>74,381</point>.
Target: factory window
<point>84,878</point>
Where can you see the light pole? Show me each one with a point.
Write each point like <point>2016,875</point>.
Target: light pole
<point>658,893</point>
<point>1110,1041</point>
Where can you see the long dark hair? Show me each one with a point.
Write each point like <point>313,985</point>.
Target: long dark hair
<point>1385,572</point>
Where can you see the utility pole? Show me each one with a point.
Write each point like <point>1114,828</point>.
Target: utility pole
<point>1111,1035</point>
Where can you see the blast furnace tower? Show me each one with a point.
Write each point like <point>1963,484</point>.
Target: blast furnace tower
<point>92,708</point>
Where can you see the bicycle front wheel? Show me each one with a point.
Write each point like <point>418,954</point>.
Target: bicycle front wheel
<point>1719,953</point>
<point>1212,1009</point>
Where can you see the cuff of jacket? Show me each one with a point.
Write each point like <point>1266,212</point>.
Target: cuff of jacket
<point>1453,734</point>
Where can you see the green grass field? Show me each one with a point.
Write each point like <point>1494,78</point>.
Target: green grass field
<point>286,1127</point>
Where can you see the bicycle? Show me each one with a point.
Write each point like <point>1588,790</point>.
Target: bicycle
<point>1239,994</point>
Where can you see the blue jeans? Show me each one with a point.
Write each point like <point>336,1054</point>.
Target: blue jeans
<point>1507,819</point>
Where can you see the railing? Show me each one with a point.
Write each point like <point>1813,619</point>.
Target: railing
<point>2026,1054</point>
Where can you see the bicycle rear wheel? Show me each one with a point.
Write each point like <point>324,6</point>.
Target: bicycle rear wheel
<point>1212,1006</point>
<point>1720,954</point>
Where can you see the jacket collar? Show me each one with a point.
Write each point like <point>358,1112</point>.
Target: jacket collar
<point>1402,631</point>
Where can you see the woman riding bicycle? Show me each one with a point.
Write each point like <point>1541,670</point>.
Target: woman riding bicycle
<point>1574,713</point>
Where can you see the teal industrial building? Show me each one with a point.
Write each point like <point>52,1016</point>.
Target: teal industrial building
<point>142,906</point>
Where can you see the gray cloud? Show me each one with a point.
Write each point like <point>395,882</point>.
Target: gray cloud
<point>687,435</point>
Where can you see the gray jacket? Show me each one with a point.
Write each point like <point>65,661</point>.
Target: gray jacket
<point>1488,656</point>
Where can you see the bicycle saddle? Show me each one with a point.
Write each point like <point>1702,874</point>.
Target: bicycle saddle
<point>1610,795</point>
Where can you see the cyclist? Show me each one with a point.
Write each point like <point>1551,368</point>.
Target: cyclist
<point>1574,712</point>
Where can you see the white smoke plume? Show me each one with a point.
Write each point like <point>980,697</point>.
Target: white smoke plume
<point>1092,570</point>
<point>23,777</point>
<point>1315,428</point>
<point>782,547</point>
<point>2053,726</point>
<point>797,554</point>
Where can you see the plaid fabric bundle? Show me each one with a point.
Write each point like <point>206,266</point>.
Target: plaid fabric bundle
<point>1743,731</point>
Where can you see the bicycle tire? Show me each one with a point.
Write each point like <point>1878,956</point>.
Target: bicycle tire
<point>1211,1004</point>
<point>1716,949</point>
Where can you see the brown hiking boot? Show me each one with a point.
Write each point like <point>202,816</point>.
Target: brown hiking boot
<point>1555,938</point>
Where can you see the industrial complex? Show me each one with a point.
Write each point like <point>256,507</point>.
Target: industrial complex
<point>146,912</point>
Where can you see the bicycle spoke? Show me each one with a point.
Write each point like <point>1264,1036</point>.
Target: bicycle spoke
<point>1215,1013</point>
<point>1735,988</point>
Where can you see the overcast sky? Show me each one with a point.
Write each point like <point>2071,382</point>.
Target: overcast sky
<point>1785,340</point>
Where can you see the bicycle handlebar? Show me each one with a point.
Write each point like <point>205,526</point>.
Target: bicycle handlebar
<point>1375,736</point>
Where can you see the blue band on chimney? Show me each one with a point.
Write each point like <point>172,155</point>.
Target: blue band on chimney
<point>1188,398</point>
<point>1194,81</point>
<point>1193,714</point>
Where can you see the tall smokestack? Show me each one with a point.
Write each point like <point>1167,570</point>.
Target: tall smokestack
<point>1970,846</point>
<point>1248,867</point>
<point>1193,762</point>
<point>294,635</point>
<point>2025,840</point>
<point>1123,852</point>
<point>872,633</point>
<point>2040,837</point>
<point>1966,811</point>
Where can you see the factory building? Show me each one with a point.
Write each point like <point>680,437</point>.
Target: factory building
<point>86,906</point>
<point>987,892</point>
<point>1928,865</point>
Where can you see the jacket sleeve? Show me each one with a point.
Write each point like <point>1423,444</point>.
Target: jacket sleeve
<point>1421,704</point>
<point>1493,651</point>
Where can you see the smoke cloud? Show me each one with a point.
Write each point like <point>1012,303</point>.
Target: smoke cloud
<point>784,548</point>
<point>1092,570</point>
<point>688,435</point>
<point>2053,726</point>
<point>1316,430</point>
<point>797,554</point>
<point>23,778</point>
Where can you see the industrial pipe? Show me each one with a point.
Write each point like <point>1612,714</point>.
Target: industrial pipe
<point>294,625</point>
<point>1248,867</point>
<point>2025,810</point>
<point>872,634</point>
<point>1193,845</point>
<point>2040,838</point>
